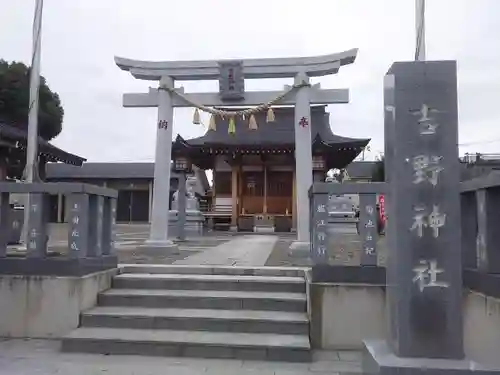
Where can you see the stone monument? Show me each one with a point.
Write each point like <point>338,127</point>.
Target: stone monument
<point>424,268</point>
<point>186,218</point>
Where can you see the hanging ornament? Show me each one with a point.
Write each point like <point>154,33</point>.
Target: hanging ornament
<point>252,124</point>
<point>270,115</point>
<point>212,124</point>
<point>196,117</point>
<point>231,129</point>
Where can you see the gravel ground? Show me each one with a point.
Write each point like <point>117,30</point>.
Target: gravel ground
<point>143,255</point>
<point>343,249</point>
<point>129,239</point>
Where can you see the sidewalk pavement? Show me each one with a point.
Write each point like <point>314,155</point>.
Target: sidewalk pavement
<point>42,357</point>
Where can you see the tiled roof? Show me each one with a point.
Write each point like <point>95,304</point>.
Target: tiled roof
<point>101,171</point>
<point>279,132</point>
<point>17,138</point>
<point>109,171</point>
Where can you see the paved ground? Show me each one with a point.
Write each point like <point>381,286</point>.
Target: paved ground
<point>344,248</point>
<point>246,250</point>
<point>42,357</point>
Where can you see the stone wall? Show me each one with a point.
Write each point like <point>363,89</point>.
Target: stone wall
<point>342,315</point>
<point>47,306</point>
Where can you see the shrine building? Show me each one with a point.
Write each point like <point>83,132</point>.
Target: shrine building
<point>254,167</point>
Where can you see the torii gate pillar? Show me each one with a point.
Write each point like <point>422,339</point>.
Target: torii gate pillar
<point>303,162</point>
<point>158,233</point>
<point>165,99</point>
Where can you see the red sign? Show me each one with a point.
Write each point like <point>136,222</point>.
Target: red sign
<point>381,202</point>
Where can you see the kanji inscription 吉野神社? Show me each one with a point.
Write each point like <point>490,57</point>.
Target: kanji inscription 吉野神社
<point>427,124</point>
<point>426,275</point>
<point>433,220</point>
<point>427,168</point>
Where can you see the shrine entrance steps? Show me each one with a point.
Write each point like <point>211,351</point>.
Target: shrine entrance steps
<point>221,312</point>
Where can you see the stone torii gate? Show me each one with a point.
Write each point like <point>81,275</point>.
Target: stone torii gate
<point>166,97</point>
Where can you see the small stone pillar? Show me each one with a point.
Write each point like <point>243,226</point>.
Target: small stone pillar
<point>186,219</point>
<point>181,207</point>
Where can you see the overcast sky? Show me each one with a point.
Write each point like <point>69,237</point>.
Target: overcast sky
<point>81,37</point>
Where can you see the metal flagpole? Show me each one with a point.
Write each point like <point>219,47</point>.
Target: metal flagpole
<point>420,30</point>
<point>31,168</point>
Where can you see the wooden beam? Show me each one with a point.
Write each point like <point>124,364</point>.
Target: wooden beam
<point>313,66</point>
<point>264,209</point>
<point>234,196</point>
<point>294,200</point>
<point>252,98</point>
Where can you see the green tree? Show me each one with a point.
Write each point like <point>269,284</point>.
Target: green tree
<point>378,174</point>
<point>14,100</point>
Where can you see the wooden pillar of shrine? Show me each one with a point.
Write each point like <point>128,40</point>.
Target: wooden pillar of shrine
<point>234,196</point>
<point>264,208</point>
<point>294,201</point>
<point>214,193</point>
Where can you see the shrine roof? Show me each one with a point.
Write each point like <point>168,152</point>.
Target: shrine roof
<point>279,133</point>
<point>14,137</point>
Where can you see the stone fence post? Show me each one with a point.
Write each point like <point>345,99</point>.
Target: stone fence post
<point>320,235</point>
<point>90,246</point>
<point>480,223</point>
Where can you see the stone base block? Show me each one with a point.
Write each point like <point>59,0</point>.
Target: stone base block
<point>378,358</point>
<point>263,229</point>
<point>56,265</point>
<point>300,249</point>
<point>194,228</point>
<point>190,230</point>
<point>157,248</point>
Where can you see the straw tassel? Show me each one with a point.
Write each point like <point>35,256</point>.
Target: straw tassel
<point>196,117</point>
<point>231,129</point>
<point>270,115</point>
<point>252,124</point>
<point>212,124</point>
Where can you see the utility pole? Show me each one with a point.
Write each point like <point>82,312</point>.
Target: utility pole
<point>31,168</point>
<point>420,30</point>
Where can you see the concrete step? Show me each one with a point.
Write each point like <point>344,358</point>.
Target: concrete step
<point>212,270</point>
<point>204,299</point>
<point>210,282</point>
<point>255,346</point>
<point>249,321</point>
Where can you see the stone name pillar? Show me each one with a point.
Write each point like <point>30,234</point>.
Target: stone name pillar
<point>425,292</point>
<point>424,269</point>
<point>303,161</point>
<point>158,235</point>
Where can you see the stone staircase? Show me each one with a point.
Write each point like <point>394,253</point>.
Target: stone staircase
<point>223,312</point>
